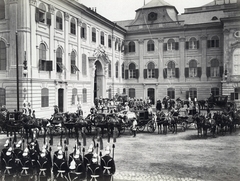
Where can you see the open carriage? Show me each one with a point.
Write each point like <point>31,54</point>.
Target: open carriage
<point>146,119</point>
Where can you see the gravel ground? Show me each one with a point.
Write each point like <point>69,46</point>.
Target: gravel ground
<point>181,156</point>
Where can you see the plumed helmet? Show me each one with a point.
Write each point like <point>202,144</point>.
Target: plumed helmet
<point>94,158</point>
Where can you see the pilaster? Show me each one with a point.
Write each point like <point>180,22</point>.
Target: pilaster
<point>204,57</point>
<point>182,62</point>
<point>160,59</point>
<point>66,47</point>
<point>140,63</point>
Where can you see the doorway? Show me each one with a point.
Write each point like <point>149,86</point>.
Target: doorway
<point>98,80</point>
<point>151,95</point>
<point>60,99</point>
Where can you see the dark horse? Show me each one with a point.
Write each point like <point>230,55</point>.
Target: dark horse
<point>162,122</point>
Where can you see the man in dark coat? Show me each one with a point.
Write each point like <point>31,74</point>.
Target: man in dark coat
<point>43,166</point>
<point>108,165</point>
<point>26,167</point>
<point>8,165</point>
<point>60,167</point>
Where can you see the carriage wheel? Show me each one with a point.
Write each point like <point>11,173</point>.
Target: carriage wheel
<point>170,127</point>
<point>151,126</point>
<point>140,128</point>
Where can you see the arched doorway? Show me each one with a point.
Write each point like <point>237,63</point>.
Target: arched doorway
<point>98,80</point>
<point>151,95</point>
<point>60,99</point>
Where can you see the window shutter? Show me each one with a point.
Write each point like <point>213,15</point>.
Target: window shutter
<point>187,45</point>
<point>198,44</point>
<point>232,96</point>
<point>165,73</point>
<point>209,43</point>
<point>40,64</point>
<point>137,73</point>
<point>164,46</point>
<point>156,73</point>
<point>187,95</point>
<point>177,72</point>
<point>49,18</point>
<point>186,72</point>
<point>176,45</point>
<point>217,43</point>
<point>199,71</point>
<point>126,74</point>
<point>208,71</point>
<point>236,95</point>
<point>37,15</point>
<point>145,73</point>
<point>221,71</point>
<point>49,66</point>
<point>125,49</point>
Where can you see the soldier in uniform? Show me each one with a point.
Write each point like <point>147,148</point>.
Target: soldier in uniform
<point>94,170</point>
<point>88,157</point>
<point>26,167</point>
<point>77,170</point>
<point>60,167</point>
<point>8,165</point>
<point>108,165</point>
<point>43,166</point>
<point>59,149</point>
<point>18,155</point>
<point>75,152</point>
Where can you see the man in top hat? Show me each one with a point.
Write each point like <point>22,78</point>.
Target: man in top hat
<point>94,171</point>
<point>88,156</point>
<point>60,167</point>
<point>8,164</point>
<point>108,165</point>
<point>77,169</point>
<point>43,166</point>
<point>26,167</point>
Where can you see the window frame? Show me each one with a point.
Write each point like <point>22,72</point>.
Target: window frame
<point>94,35</point>
<point>73,26</point>
<point>3,56</point>
<point>59,20</point>
<point>131,47</point>
<point>44,97</point>
<point>193,70</point>
<point>171,69</point>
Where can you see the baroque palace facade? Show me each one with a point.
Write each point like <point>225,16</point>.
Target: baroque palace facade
<point>65,53</point>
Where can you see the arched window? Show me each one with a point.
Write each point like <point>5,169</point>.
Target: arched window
<point>84,64</point>
<point>84,94</point>
<point>94,35</point>
<point>74,96</point>
<point>236,62</point>
<point>171,44</point>
<point>44,97</point>
<point>60,66</point>
<point>132,93</point>
<point>151,70</point>
<point>193,43</point>
<point>74,67</point>
<point>73,26</point>
<point>102,38</point>
<point>150,45</point>
<point>3,56</point>
<point>84,31</point>
<point>132,70</point>
<point>171,93</point>
<point>171,69</point>
<point>215,91</point>
<point>131,46</point>
<point>2,97</point>
<point>213,42</point>
<point>2,9</point>
<point>59,23</point>
<point>193,68</point>
<point>42,57</point>
<point>116,71</point>
<point>42,13</point>
<point>117,44</point>
<point>123,71</point>
<point>109,70</point>
<point>109,41</point>
<point>215,68</point>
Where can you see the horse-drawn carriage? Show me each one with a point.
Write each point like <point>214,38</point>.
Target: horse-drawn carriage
<point>145,119</point>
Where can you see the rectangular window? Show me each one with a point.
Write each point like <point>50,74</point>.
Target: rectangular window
<point>215,72</point>
<point>132,74</point>
<point>2,97</point>
<point>94,36</point>
<point>102,40</point>
<point>192,72</point>
<point>83,32</point>
<point>84,95</point>
<point>59,23</point>
<point>73,28</point>
<point>151,73</point>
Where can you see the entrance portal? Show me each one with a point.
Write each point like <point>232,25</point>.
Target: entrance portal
<point>98,80</point>
<point>151,95</point>
<point>60,99</point>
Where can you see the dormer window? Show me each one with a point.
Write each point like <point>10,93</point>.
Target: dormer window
<point>152,16</point>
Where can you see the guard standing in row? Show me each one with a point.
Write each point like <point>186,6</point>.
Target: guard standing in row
<point>60,167</point>
<point>8,165</point>
<point>94,170</point>
<point>26,167</point>
<point>43,166</point>
<point>108,165</point>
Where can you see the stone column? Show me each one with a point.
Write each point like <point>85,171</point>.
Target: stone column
<point>79,55</point>
<point>160,59</point>
<point>204,57</point>
<point>66,60</point>
<point>140,63</point>
<point>182,61</point>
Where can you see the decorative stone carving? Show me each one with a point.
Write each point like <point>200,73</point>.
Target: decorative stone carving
<point>161,40</point>
<point>79,22</point>
<point>51,8</point>
<point>140,41</point>
<point>182,39</point>
<point>100,53</point>
<point>32,2</point>
<point>203,37</point>
<point>66,16</point>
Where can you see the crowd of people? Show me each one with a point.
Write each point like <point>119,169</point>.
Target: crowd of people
<point>26,161</point>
